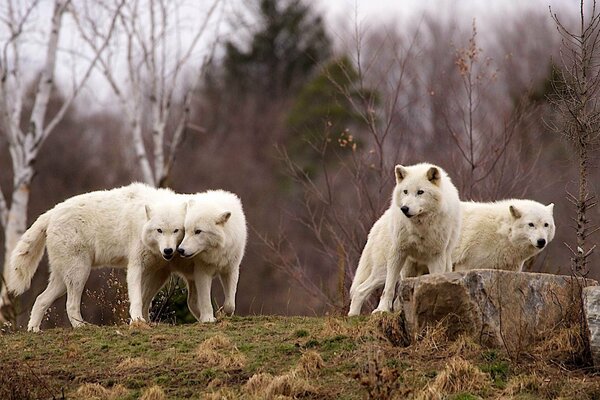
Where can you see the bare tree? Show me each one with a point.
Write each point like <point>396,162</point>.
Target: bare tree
<point>25,140</point>
<point>576,97</point>
<point>486,140</point>
<point>153,84</point>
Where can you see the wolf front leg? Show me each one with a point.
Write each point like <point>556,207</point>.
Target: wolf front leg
<point>439,265</point>
<point>203,280</point>
<point>393,268</point>
<point>229,281</point>
<point>134,288</point>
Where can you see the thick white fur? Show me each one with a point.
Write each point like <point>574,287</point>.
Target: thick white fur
<point>427,237</point>
<point>494,237</point>
<point>101,228</point>
<point>215,239</point>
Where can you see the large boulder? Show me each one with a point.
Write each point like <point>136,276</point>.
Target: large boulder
<point>591,301</point>
<point>499,308</point>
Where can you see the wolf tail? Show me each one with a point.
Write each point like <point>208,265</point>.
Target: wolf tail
<point>26,256</point>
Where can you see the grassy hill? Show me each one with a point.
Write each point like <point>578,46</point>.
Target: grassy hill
<point>281,357</point>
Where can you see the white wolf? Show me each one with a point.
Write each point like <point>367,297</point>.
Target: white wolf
<point>215,239</point>
<point>422,224</point>
<point>102,228</point>
<point>503,234</point>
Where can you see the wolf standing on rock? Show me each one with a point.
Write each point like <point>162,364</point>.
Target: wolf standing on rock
<point>421,225</point>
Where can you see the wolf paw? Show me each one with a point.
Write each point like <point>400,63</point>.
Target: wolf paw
<point>380,310</point>
<point>34,329</point>
<point>210,319</point>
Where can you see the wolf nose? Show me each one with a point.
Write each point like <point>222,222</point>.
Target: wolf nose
<point>541,243</point>
<point>168,251</point>
<point>180,250</point>
<point>404,209</point>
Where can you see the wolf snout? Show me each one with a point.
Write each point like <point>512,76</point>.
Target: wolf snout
<point>181,251</point>
<point>167,253</point>
<point>541,243</point>
<point>406,211</point>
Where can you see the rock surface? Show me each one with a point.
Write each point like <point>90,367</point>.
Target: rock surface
<point>498,308</point>
<point>591,301</point>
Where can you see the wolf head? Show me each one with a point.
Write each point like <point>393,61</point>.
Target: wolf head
<point>163,229</point>
<point>532,225</point>
<point>417,190</point>
<point>204,228</point>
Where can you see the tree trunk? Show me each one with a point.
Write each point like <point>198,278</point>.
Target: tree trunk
<point>15,227</point>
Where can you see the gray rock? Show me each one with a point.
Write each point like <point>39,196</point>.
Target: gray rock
<point>498,308</point>
<point>591,301</point>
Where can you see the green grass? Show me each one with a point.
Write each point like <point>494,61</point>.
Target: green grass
<point>357,357</point>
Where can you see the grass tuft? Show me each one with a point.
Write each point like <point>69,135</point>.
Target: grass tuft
<point>218,352</point>
<point>95,391</point>
<point>154,393</point>
<point>458,376</point>
<point>310,363</point>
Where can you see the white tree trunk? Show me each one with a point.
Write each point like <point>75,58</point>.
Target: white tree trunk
<point>24,146</point>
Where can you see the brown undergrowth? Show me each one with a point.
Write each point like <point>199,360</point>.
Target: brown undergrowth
<point>266,357</point>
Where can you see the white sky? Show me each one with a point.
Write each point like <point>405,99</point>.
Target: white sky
<point>340,17</point>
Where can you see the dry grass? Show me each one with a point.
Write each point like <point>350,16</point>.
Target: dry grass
<point>292,384</point>
<point>431,340</point>
<point>257,383</point>
<point>221,394</point>
<point>310,364</point>
<point>524,384</point>
<point>564,345</point>
<point>464,346</point>
<point>95,391</point>
<point>139,326</point>
<point>458,375</point>
<point>283,357</point>
<point>133,364</point>
<point>153,393</point>
<point>270,387</point>
<point>392,327</point>
<point>218,351</point>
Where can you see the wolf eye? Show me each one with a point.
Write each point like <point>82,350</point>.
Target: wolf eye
<point>176,230</point>
<point>531,224</point>
<point>159,230</point>
<point>420,192</point>
<point>198,231</point>
<point>546,225</point>
<point>405,191</point>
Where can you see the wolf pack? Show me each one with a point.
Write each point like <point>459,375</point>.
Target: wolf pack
<point>154,233</point>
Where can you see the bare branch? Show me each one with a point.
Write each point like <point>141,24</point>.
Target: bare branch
<point>98,52</point>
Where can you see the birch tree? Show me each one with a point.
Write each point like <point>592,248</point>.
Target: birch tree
<point>25,139</point>
<point>153,81</point>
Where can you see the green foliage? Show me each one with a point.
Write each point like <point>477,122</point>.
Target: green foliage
<point>323,116</point>
<point>464,396</point>
<point>497,367</point>
<point>288,42</point>
<point>170,304</point>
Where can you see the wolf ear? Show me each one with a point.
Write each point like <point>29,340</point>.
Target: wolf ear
<point>433,174</point>
<point>223,218</point>
<point>514,212</point>
<point>148,211</point>
<point>550,208</point>
<point>400,172</point>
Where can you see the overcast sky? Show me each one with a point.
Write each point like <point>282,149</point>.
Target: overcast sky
<point>340,17</point>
